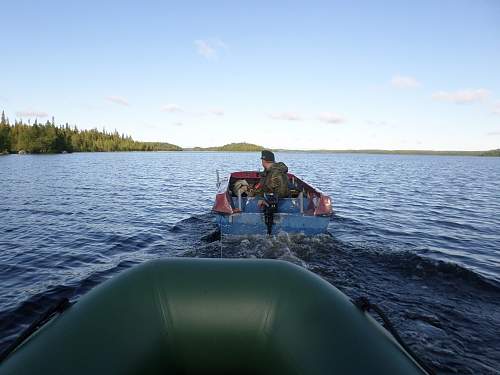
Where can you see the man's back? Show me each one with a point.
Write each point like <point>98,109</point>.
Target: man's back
<point>275,180</point>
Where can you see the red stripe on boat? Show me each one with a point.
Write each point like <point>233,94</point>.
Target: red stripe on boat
<point>223,204</point>
<point>324,206</point>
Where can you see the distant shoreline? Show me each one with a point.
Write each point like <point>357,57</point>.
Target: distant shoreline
<point>491,153</point>
<point>367,151</point>
<point>248,147</point>
<point>404,152</point>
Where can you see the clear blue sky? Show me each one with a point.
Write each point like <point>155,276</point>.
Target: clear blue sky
<point>352,74</point>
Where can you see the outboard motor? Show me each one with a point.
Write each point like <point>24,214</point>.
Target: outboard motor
<point>270,208</point>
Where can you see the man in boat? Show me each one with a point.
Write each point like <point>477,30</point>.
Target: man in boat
<point>274,179</point>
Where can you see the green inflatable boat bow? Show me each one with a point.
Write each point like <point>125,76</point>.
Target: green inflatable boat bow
<point>204,316</point>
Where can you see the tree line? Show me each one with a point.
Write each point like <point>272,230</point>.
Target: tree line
<point>48,138</point>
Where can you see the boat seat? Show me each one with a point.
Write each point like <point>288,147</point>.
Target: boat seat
<point>285,205</point>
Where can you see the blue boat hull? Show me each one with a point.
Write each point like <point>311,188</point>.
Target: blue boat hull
<point>253,223</point>
<point>289,218</point>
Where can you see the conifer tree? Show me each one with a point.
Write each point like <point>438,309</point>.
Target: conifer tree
<point>4,134</point>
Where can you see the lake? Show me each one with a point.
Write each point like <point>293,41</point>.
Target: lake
<point>418,235</point>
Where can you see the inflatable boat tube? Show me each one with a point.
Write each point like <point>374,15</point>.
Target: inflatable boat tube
<point>203,316</point>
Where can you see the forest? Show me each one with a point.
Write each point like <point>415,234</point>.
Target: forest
<point>48,137</point>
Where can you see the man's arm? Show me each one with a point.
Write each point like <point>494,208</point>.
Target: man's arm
<point>258,189</point>
<point>275,183</point>
<point>253,192</point>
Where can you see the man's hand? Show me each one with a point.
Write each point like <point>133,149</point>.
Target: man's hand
<point>262,203</point>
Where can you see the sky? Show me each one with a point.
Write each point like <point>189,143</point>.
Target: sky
<point>298,75</point>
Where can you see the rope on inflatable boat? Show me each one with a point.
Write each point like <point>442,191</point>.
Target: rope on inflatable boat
<point>365,305</point>
<point>62,305</point>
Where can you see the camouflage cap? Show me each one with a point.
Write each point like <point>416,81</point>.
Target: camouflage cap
<point>267,155</point>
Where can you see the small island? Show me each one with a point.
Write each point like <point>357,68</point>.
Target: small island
<point>242,146</point>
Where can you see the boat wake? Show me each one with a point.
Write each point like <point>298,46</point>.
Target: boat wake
<point>448,314</point>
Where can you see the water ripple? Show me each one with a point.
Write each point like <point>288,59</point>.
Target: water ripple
<point>420,235</point>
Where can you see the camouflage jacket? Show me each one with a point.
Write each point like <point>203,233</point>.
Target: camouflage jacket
<point>274,180</point>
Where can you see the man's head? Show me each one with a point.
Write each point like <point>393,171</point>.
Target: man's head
<point>267,158</point>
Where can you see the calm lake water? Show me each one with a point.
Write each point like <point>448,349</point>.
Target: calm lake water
<point>418,235</point>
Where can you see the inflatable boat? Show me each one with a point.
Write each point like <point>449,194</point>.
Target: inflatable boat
<point>307,210</point>
<point>212,316</point>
